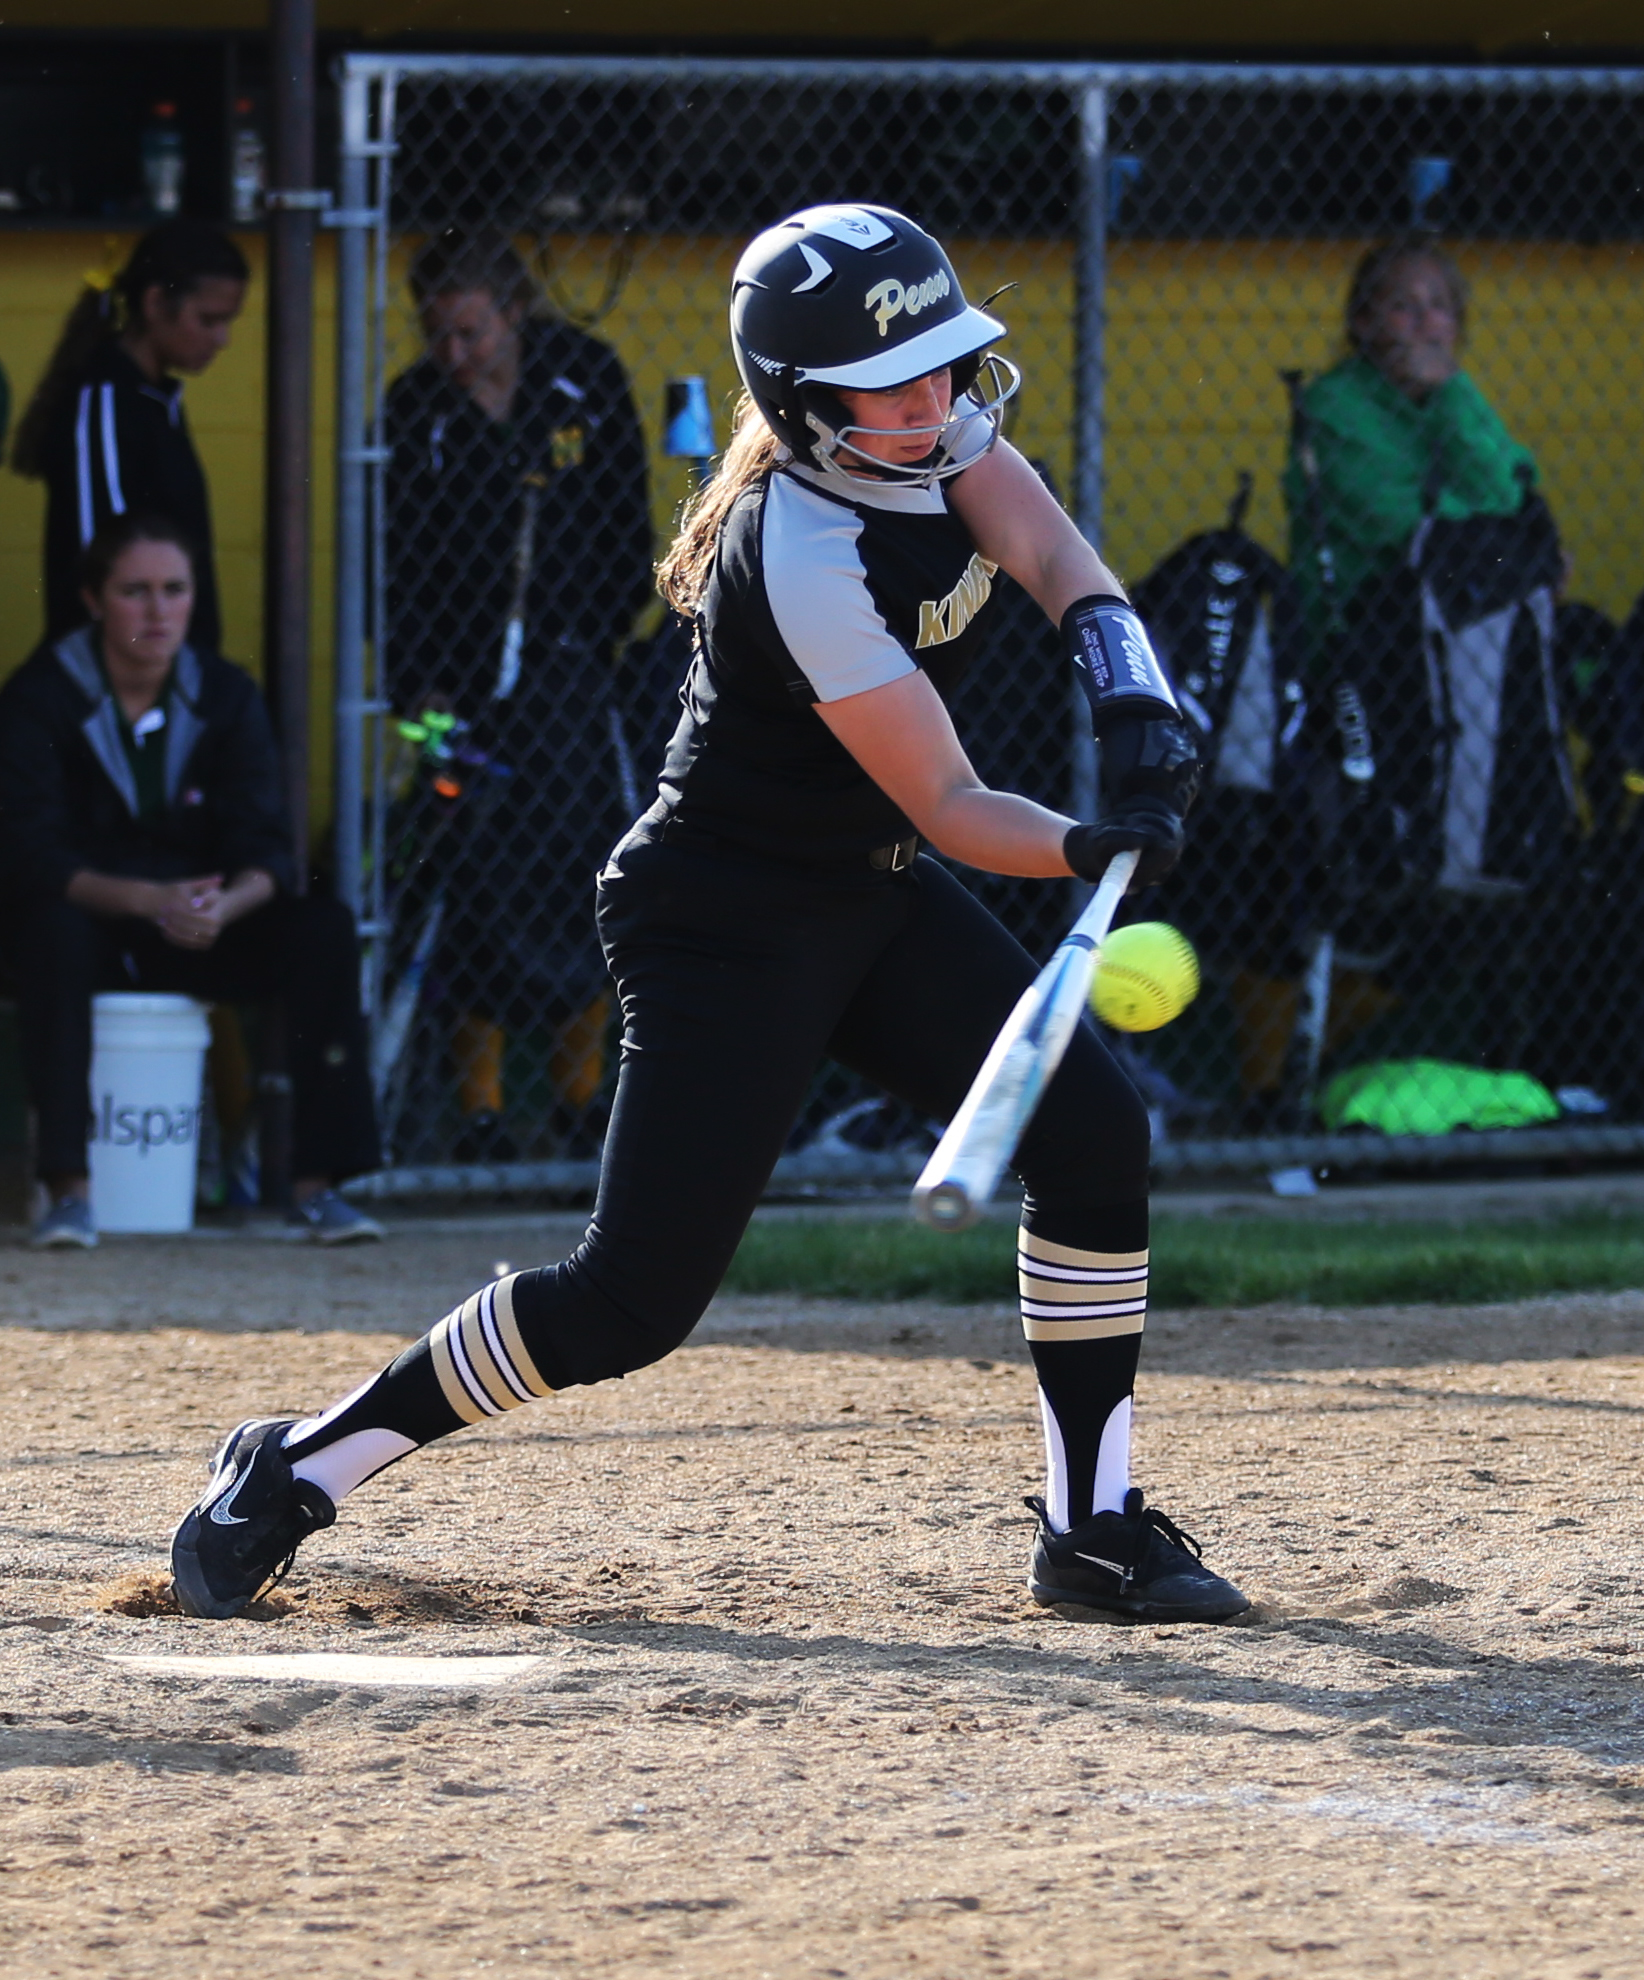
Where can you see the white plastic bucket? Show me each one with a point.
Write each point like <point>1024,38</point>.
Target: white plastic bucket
<point>147,1064</point>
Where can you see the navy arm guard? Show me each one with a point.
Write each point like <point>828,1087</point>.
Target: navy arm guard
<point>1115,662</point>
<point>1150,766</point>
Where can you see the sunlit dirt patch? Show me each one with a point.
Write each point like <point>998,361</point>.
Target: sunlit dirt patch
<point>146,1593</point>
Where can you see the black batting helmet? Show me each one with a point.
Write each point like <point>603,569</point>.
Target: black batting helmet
<point>861,297</point>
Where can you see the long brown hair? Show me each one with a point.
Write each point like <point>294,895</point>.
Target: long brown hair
<point>682,576</point>
<point>175,257</point>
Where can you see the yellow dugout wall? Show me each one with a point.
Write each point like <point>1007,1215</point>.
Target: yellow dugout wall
<point>1197,334</point>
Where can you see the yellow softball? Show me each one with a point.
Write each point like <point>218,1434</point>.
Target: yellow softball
<point>1146,975</point>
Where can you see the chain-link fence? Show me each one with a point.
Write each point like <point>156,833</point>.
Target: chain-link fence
<point>1382,516</point>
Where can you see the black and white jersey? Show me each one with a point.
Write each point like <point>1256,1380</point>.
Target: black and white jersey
<point>119,444</point>
<point>813,598</point>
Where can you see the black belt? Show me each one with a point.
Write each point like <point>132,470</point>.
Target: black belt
<point>883,859</point>
<point>892,859</point>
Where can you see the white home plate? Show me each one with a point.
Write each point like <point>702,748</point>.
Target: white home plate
<point>325,1667</point>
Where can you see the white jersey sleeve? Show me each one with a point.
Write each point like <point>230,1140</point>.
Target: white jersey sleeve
<point>817,588</point>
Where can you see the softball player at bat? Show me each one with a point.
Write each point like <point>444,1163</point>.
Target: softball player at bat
<point>771,908</point>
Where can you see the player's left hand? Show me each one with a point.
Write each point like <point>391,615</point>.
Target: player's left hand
<point>1141,824</point>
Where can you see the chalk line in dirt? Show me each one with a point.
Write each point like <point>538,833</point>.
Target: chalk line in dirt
<point>329,1667</point>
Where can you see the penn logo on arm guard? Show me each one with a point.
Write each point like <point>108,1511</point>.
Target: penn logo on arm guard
<point>890,299</point>
<point>1114,658</point>
<point>1120,657</point>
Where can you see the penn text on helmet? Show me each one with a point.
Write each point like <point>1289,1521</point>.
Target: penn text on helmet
<point>890,299</point>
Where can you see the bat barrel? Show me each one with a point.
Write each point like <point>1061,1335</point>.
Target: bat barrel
<point>946,1206</point>
<point>964,1169</point>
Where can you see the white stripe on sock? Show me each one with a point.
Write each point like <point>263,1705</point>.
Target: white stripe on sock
<point>465,1367</point>
<point>492,1336</point>
<point>338,1468</point>
<point>300,1432</point>
<point>1113,1461</point>
<point>1056,1493</point>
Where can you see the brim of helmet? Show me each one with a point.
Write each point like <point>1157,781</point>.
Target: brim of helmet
<point>942,343</point>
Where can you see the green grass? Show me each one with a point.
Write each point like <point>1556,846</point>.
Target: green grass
<point>1215,1261</point>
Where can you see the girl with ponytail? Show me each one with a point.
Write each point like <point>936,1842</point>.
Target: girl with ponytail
<point>105,429</point>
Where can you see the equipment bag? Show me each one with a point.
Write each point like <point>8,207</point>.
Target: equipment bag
<point>1223,617</point>
<point>1601,689</point>
<point>1455,655</point>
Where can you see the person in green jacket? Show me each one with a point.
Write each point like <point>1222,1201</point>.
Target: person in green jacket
<point>1397,427</point>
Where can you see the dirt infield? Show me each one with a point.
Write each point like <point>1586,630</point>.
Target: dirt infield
<point>788,1711</point>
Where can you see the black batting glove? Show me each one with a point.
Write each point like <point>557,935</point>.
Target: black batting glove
<point>1140,825</point>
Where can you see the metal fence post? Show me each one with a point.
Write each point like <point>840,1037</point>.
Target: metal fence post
<point>1089,385</point>
<point>381,85</point>
<point>293,207</point>
<point>293,204</point>
<point>352,454</point>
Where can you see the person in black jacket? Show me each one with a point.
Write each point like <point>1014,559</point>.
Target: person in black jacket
<point>105,429</point>
<point>144,846</point>
<point>518,549</point>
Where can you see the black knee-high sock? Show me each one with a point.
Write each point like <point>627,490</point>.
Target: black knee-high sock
<point>1083,1277</point>
<point>474,1364</point>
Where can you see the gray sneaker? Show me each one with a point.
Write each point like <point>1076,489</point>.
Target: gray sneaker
<point>66,1226</point>
<point>330,1219</point>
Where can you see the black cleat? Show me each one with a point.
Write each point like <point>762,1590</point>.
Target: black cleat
<point>1136,1564</point>
<point>242,1537</point>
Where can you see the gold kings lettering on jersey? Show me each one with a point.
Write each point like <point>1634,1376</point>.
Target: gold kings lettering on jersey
<point>942,619</point>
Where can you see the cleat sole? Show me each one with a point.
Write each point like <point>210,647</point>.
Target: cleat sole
<point>1073,1607</point>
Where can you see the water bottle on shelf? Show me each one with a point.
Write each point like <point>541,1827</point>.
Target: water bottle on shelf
<point>688,425</point>
<point>163,161</point>
<point>248,172</point>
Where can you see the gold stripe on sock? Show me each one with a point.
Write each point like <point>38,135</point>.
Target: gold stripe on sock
<point>508,1327</point>
<point>1064,1254</point>
<point>452,1386</point>
<point>470,1339</point>
<point>1070,1295</point>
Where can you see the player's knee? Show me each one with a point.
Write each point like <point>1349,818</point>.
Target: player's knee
<point>1092,1140</point>
<point>578,1331</point>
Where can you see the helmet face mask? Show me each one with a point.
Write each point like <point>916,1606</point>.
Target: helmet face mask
<point>860,298</point>
<point>969,429</point>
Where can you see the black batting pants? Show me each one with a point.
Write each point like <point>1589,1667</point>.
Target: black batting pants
<point>302,954</point>
<point>737,976</point>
